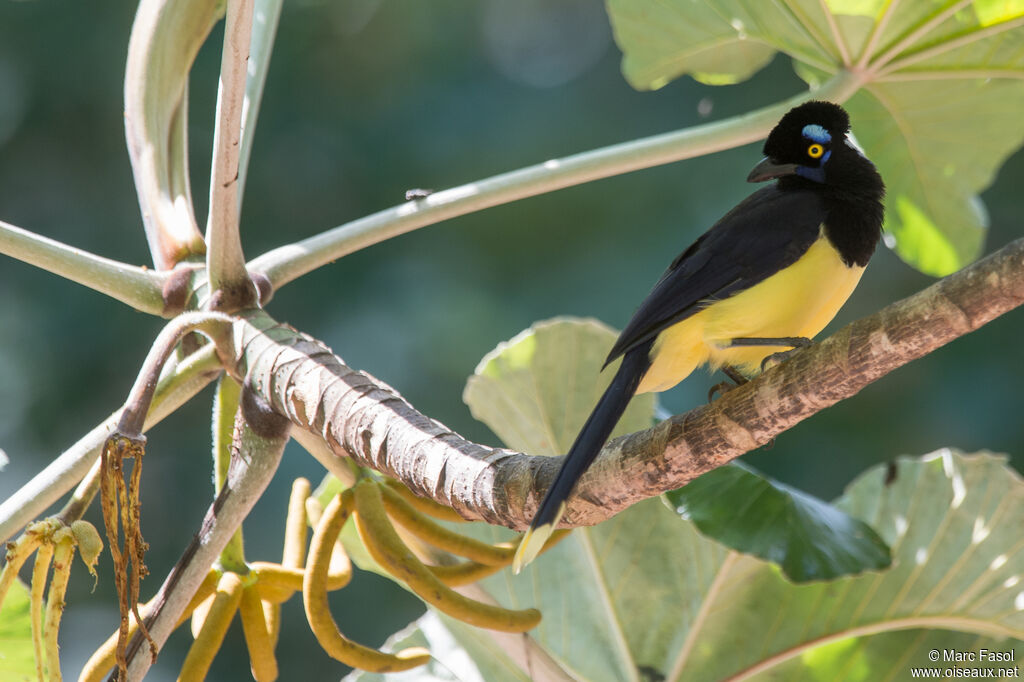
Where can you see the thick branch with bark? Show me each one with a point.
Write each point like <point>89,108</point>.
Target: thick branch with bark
<point>359,416</point>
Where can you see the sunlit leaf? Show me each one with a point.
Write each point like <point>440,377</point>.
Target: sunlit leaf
<point>938,110</point>
<point>953,523</point>
<point>645,595</point>
<point>17,660</point>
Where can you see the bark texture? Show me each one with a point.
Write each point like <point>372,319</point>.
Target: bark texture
<point>361,417</point>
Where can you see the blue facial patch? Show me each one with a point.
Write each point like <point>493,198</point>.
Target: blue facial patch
<point>816,133</point>
<point>816,174</point>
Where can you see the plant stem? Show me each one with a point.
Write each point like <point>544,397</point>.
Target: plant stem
<point>289,262</point>
<point>316,446</point>
<point>165,38</point>
<point>135,286</point>
<point>140,398</point>
<point>266,15</point>
<point>225,409</point>
<point>224,259</point>
<point>248,478</point>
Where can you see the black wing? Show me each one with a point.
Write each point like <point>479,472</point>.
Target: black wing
<point>766,232</point>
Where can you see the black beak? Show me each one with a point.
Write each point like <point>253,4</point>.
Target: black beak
<point>768,169</point>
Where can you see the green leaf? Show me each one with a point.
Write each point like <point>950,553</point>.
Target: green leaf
<point>17,660</point>
<point>808,538</point>
<point>536,390</point>
<point>618,597</point>
<point>938,144</point>
<point>938,110</point>
<point>668,39</point>
<point>716,42</point>
<point>644,595</point>
<point>953,522</point>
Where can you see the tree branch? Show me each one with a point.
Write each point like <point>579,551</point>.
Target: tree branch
<point>360,416</point>
<point>266,15</point>
<point>165,38</point>
<point>135,286</point>
<point>286,263</point>
<point>225,261</point>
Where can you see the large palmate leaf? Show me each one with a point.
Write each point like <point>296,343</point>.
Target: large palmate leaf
<point>645,597</point>
<point>941,88</point>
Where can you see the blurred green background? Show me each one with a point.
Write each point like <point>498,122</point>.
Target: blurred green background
<point>366,99</point>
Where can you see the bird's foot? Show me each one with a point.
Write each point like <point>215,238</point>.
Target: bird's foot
<point>795,343</point>
<point>724,387</point>
<point>780,357</point>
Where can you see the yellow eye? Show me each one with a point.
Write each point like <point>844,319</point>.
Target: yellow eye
<point>815,151</point>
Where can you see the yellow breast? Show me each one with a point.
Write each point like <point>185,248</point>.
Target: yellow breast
<point>796,301</point>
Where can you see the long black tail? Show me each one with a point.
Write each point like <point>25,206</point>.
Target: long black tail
<point>589,442</point>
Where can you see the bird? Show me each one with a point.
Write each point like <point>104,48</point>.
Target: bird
<point>756,287</point>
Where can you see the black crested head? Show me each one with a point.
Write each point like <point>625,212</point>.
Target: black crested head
<point>819,121</point>
<point>811,148</point>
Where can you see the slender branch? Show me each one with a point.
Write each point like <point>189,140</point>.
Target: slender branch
<point>166,36</point>
<point>266,15</point>
<point>139,288</point>
<point>287,263</point>
<point>83,496</point>
<point>224,258</point>
<point>63,473</point>
<point>316,446</point>
<point>225,408</point>
<point>149,401</point>
<point>361,417</point>
<point>137,406</point>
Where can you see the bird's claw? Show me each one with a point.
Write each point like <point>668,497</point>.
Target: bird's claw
<point>722,387</point>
